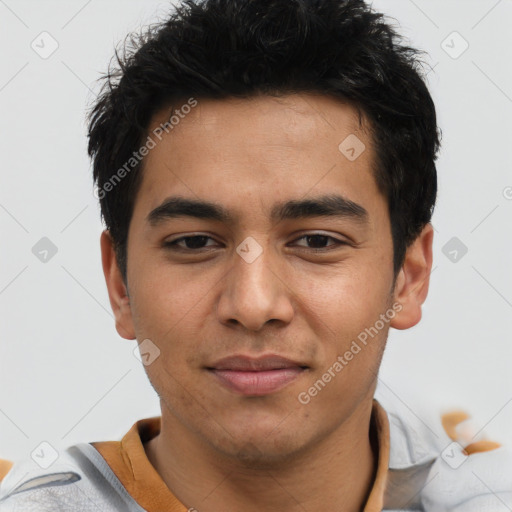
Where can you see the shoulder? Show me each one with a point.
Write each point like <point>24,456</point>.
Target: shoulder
<point>5,466</point>
<point>476,482</point>
<point>472,473</point>
<point>79,480</point>
<point>27,484</point>
<point>443,462</point>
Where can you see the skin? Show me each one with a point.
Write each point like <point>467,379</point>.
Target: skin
<point>270,452</point>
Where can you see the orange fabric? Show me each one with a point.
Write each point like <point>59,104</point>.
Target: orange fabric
<point>451,419</point>
<point>5,466</point>
<point>130,464</point>
<point>481,446</point>
<point>381,435</point>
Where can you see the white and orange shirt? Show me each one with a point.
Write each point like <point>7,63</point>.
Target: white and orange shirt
<point>416,470</point>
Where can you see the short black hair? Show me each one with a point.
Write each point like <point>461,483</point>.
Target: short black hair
<point>220,49</point>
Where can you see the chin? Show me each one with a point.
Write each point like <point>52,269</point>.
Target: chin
<point>263,449</point>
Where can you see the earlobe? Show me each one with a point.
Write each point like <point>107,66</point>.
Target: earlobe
<point>413,280</point>
<point>117,292</point>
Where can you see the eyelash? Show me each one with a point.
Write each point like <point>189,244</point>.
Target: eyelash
<point>172,245</point>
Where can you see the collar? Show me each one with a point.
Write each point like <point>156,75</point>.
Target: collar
<point>127,459</point>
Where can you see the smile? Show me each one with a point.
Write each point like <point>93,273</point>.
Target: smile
<point>256,376</point>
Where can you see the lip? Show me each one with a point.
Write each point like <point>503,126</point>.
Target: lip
<point>259,376</point>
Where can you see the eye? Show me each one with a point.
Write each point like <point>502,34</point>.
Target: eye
<point>319,241</point>
<point>195,243</point>
<point>191,243</point>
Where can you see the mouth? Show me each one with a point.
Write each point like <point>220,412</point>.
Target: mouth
<point>260,376</point>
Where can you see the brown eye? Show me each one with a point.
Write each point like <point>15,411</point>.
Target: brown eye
<point>190,243</point>
<point>319,241</point>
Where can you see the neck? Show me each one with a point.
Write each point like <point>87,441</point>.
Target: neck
<point>337,473</point>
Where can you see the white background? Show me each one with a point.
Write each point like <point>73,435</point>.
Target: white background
<point>65,374</point>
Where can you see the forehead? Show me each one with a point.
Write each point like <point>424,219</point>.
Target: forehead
<point>264,147</point>
<point>290,120</point>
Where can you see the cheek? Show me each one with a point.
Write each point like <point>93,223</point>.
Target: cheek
<point>346,300</point>
<point>165,300</point>
<point>352,342</point>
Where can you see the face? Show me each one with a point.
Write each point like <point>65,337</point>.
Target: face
<point>259,308</point>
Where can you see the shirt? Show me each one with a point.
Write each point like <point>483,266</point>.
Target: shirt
<point>417,469</point>
<point>129,462</point>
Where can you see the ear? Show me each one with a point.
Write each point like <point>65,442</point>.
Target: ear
<point>412,282</point>
<point>117,292</point>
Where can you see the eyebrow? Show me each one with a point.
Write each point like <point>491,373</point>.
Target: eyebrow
<point>323,206</point>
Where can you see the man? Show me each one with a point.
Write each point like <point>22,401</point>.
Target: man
<point>266,174</point>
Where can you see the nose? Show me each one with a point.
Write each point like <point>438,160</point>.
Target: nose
<point>255,293</point>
